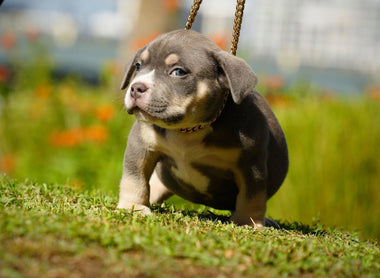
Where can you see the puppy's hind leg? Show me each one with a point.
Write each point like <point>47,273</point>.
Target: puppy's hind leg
<point>158,191</point>
<point>250,211</point>
<point>251,199</point>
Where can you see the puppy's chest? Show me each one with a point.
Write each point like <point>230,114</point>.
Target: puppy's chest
<point>193,163</point>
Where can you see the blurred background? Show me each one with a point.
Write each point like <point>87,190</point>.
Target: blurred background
<point>62,118</point>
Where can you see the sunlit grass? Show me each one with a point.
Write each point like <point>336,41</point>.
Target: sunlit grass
<point>52,230</point>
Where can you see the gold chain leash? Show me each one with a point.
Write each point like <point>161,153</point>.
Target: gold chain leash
<point>193,14</point>
<point>237,25</point>
<point>237,22</point>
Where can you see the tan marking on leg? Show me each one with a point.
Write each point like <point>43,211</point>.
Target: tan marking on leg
<point>249,211</point>
<point>171,59</point>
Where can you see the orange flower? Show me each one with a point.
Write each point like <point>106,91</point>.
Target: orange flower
<point>66,138</point>
<point>96,133</point>
<point>277,100</point>
<point>73,137</point>
<point>7,163</point>
<point>274,83</point>
<point>171,5</point>
<point>221,39</point>
<point>4,73</point>
<point>105,112</point>
<point>373,92</point>
<point>43,91</point>
<point>8,40</point>
<point>140,42</point>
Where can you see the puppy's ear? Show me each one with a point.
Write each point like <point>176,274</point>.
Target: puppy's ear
<point>238,75</point>
<point>130,69</point>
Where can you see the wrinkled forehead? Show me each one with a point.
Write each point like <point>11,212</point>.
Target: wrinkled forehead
<point>182,47</point>
<point>157,52</point>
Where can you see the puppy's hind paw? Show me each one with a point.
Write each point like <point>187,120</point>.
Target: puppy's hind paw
<point>271,223</point>
<point>242,220</point>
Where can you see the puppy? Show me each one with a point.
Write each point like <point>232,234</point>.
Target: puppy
<point>202,131</point>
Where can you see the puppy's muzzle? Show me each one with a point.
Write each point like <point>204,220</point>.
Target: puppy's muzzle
<point>138,89</point>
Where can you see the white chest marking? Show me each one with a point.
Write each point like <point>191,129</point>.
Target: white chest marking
<point>224,159</point>
<point>184,156</point>
<point>187,149</point>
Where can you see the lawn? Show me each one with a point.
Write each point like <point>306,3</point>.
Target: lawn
<point>52,230</point>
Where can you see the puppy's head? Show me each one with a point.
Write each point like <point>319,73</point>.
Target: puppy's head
<point>180,79</point>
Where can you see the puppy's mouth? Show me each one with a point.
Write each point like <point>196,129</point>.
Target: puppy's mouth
<point>152,110</point>
<point>156,114</point>
<point>144,115</point>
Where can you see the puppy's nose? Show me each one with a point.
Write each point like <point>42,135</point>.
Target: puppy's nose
<point>138,89</point>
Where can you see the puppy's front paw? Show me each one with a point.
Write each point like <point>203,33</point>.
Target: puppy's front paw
<point>133,208</point>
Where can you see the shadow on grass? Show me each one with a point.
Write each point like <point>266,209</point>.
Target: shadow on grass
<point>202,214</point>
<point>316,228</point>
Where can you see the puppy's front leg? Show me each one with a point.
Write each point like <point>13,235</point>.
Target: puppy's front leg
<point>139,164</point>
<point>251,199</point>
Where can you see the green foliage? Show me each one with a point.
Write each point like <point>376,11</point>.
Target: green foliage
<point>73,134</point>
<point>50,230</point>
<point>334,163</point>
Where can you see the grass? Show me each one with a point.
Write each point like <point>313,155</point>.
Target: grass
<point>52,230</point>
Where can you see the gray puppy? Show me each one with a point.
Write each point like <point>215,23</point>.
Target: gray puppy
<point>202,131</point>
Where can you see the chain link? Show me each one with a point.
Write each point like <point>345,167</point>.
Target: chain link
<point>237,25</point>
<point>193,14</point>
<point>237,22</point>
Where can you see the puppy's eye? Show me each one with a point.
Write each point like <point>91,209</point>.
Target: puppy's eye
<point>138,66</point>
<point>178,72</point>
